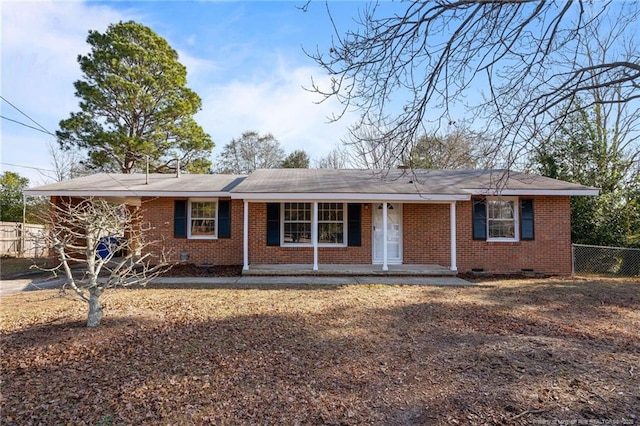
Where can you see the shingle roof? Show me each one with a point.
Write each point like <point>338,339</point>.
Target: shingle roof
<point>321,183</point>
<point>409,182</point>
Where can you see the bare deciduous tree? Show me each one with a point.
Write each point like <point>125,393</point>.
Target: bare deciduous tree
<point>338,158</point>
<point>598,144</point>
<point>507,63</point>
<point>250,152</point>
<point>81,232</point>
<point>460,148</point>
<point>66,163</point>
<point>370,149</point>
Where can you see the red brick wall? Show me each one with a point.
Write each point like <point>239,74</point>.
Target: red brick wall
<point>158,215</point>
<point>260,253</point>
<point>426,234</point>
<point>426,239</point>
<point>549,253</point>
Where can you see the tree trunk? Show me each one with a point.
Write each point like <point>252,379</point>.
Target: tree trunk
<point>95,309</point>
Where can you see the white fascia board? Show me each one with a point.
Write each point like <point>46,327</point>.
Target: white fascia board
<point>279,196</point>
<point>175,194</point>
<point>523,192</point>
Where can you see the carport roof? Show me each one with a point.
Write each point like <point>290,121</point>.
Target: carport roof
<point>135,185</point>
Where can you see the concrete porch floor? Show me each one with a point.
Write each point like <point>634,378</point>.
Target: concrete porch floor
<point>349,270</point>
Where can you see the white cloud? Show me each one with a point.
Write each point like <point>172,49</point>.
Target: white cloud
<point>40,45</point>
<point>275,103</point>
<point>199,70</point>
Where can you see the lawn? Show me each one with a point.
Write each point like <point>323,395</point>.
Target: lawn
<point>505,352</point>
<point>12,266</point>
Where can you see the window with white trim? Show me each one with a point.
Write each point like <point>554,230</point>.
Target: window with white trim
<point>502,219</point>
<point>296,221</point>
<point>203,218</point>
<point>331,223</point>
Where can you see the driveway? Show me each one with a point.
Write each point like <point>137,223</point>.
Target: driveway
<point>18,285</point>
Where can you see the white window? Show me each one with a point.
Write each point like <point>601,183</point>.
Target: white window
<point>296,223</point>
<point>502,219</point>
<point>331,223</point>
<point>203,218</point>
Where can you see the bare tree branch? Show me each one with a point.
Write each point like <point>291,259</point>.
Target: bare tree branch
<point>506,64</point>
<point>106,240</point>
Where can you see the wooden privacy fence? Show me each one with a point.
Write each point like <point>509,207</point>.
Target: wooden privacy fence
<point>22,240</point>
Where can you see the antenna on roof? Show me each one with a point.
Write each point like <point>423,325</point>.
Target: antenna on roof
<point>177,167</point>
<point>147,179</point>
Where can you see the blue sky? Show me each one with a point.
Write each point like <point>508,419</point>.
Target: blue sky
<point>244,59</point>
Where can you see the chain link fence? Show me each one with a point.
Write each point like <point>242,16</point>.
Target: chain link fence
<point>599,260</point>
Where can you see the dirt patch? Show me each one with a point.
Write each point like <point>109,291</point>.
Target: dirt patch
<point>511,352</point>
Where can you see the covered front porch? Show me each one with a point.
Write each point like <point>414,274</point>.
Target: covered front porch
<point>349,270</point>
<point>392,247</point>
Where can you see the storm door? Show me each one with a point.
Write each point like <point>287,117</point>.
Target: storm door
<point>394,233</point>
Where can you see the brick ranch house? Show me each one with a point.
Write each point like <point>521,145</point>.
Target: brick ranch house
<point>463,220</point>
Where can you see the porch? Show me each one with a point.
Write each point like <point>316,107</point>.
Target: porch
<point>349,270</point>
<point>366,232</point>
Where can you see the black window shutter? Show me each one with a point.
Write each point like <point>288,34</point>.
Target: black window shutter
<point>224,219</point>
<point>180,219</point>
<point>479,219</point>
<point>526,220</point>
<point>354,224</point>
<point>273,224</point>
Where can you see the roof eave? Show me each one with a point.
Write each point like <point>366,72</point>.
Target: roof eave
<point>311,196</point>
<point>173,194</point>
<point>523,192</point>
<point>279,196</point>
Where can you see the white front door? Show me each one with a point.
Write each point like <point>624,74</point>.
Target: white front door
<point>394,233</point>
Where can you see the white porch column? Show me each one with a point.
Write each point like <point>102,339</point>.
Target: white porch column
<point>245,237</point>
<point>452,214</point>
<point>314,235</point>
<point>385,266</point>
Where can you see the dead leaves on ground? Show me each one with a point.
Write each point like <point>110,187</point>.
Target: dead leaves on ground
<point>508,353</point>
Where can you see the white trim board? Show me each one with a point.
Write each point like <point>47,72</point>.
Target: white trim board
<point>530,192</point>
<point>129,193</point>
<point>340,197</point>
